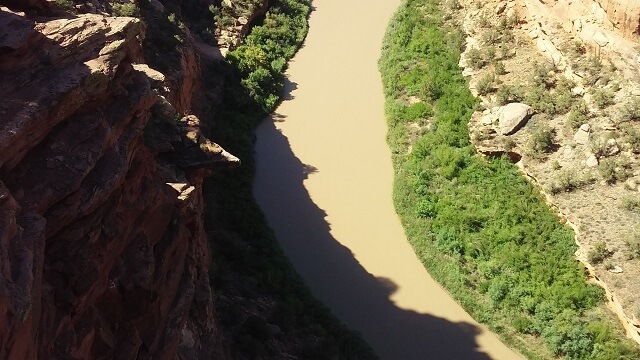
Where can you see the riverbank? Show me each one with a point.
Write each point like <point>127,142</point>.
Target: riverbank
<point>324,179</point>
<point>479,227</point>
<point>264,308</point>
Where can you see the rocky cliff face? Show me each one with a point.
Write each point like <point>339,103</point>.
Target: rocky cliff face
<point>102,249</point>
<point>624,15</point>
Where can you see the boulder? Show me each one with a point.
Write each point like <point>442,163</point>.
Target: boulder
<point>488,119</point>
<point>616,270</point>
<point>592,161</point>
<point>582,135</point>
<point>600,39</point>
<point>514,116</point>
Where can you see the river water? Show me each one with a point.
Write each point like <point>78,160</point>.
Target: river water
<point>324,180</point>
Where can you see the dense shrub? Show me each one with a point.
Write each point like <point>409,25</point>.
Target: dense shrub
<point>541,141</point>
<point>632,240</point>
<point>65,4</point>
<point>125,9</point>
<point>598,253</point>
<point>633,137</point>
<point>579,114</point>
<point>476,59</point>
<point>631,110</point>
<point>631,203</point>
<point>485,84</point>
<point>568,181</point>
<point>506,94</point>
<point>613,170</point>
<point>504,252</point>
<point>498,68</point>
<point>602,97</point>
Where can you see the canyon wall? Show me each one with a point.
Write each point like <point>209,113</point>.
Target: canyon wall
<point>103,252</point>
<point>624,15</point>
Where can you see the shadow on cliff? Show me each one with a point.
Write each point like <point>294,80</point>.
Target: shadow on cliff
<point>358,298</point>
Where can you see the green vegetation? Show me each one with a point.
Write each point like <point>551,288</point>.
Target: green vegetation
<point>485,84</point>
<point>631,110</point>
<point>125,9</point>
<point>476,58</point>
<point>598,253</point>
<point>263,57</point>
<point>568,181</point>
<point>498,68</point>
<point>541,141</point>
<point>602,97</point>
<point>249,266</point>
<point>632,241</point>
<point>630,203</point>
<point>591,68</point>
<point>543,92</point>
<point>504,255</point>
<point>633,137</point>
<point>613,170</point>
<point>164,40</point>
<point>579,114</point>
<point>65,4</point>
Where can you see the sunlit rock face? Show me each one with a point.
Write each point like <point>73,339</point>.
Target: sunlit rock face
<point>624,14</point>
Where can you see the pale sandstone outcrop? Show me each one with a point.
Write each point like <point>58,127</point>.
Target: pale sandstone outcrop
<point>513,116</point>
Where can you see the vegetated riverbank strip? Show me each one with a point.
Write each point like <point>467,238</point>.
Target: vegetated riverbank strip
<point>478,226</point>
<point>256,286</point>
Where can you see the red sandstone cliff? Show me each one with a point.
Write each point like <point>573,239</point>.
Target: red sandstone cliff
<point>102,249</point>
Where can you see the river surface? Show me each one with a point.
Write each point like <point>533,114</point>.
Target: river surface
<point>324,180</point>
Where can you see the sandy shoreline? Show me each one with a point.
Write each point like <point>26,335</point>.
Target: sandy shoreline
<point>324,179</point>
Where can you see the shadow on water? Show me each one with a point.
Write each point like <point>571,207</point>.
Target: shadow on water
<point>289,87</point>
<point>361,300</point>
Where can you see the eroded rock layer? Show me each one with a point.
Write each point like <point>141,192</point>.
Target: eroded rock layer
<point>102,248</point>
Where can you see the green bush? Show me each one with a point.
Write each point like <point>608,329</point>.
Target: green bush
<point>485,84</point>
<point>542,76</point>
<point>592,68</point>
<point>125,9</point>
<point>568,181</point>
<point>599,148</point>
<point>65,4</point>
<point>577,49</point>
<point>579,114</point>
<point>602,97</point>
<point>631,110</point>
<point>633,137</point>
<point>506,94</point>
<point>598,253</point>
<point>475,59</point>
<point>498,68</point>
<point>613,170</point>
<point>247,252</point>
<point>632,241</point>
<point>491,37</point>
<point>631,203</point>
<point>541,141</point>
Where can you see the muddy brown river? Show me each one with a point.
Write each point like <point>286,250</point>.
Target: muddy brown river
<point>324,180</point>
